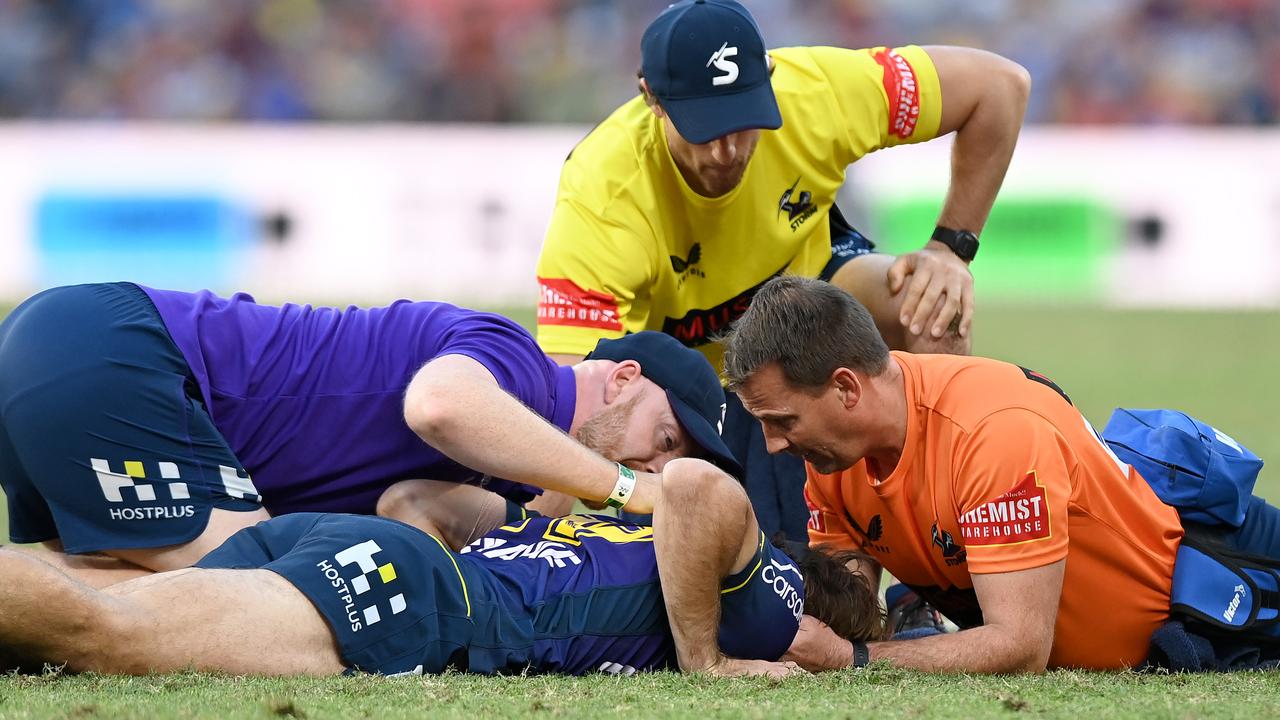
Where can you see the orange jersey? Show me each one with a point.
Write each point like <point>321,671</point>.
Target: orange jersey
<point>1001,473</point>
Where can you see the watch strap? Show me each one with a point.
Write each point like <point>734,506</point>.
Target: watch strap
<point>962,242</point>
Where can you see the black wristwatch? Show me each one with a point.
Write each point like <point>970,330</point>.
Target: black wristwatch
<point>860,654</point>
<point>962,242</point>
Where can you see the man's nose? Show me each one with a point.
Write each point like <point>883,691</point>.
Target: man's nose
<point>775,442</point>
<point>724,150</point>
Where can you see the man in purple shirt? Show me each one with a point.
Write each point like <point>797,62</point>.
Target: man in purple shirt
<point>150,425</point>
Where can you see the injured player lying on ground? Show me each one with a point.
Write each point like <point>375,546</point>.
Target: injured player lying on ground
<point>320,594</point>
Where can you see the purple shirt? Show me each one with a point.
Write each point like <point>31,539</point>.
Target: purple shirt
<point>311,399</point>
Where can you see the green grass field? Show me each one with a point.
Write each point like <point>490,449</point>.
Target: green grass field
<point>1218,366</point>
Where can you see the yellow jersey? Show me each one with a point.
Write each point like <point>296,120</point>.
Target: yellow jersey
<point>632,247</point>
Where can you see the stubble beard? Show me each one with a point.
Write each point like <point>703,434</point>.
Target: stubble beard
<point>604,431</point>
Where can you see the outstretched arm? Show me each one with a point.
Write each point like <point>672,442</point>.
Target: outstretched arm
<point>984,98</point>
<point>455,513</point>
<point>1018,608</point>
<point>703,531</point>
<point>457,407</point>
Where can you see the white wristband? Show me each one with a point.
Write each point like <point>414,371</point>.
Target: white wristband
<point>623,488</point>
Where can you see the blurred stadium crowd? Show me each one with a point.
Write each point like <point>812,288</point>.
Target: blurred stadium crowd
<point>1094,61</point>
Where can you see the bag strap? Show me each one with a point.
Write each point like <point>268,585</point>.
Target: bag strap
<point>1227,591</point>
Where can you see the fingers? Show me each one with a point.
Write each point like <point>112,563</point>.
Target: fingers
<point>914,309</point>
<point>786,669</point>
<point>966,310</point>
<point>939,295</point>
<point>732,667</point>
<point>947,312</point>
<point>901,268</point>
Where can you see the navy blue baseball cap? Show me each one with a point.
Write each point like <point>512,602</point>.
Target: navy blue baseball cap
<point>692,386</point>
<point>706,63</point>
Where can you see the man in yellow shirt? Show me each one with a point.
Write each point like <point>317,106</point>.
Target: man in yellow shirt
<point>723,173</point>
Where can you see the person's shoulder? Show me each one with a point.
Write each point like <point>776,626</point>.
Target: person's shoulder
<point>963,388</point>
<point>974,391</point>
<point>616,153</point>
<point>811,66</point>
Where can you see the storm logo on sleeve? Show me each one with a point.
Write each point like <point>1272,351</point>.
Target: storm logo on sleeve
<point>1020,515</point>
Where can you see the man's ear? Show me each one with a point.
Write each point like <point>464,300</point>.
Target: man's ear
<point>651,100</point>
<point>622,374</point>
<point>848,387</point>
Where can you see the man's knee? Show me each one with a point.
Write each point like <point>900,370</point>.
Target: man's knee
<point>222,524</point>
<point>949,344</point>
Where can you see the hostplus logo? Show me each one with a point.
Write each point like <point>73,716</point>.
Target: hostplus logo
<point>684,267</point>
<point>138,492</point>
<point>798,208</point>
<point>350,590</point>
<point>134,480</point>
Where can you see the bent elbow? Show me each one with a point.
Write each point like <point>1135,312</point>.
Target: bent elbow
<point>428,411</point>
<point>1035,660</point>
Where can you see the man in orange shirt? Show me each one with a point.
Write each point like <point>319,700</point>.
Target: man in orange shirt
<point>973,480</point>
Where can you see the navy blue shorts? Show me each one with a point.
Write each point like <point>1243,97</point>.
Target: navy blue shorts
<point>846,244</point>
<point>105,442</point>
<point>395,597</point>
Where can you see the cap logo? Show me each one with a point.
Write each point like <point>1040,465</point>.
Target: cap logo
<point>720,59</point>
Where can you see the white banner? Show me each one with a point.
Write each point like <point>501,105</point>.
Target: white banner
<point>370,213</point>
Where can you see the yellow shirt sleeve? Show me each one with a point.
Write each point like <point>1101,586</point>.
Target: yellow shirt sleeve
<point>887,96</point>
<point>591,272</point>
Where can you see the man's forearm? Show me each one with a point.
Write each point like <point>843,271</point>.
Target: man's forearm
<point>459,409</point>
<point>982,150</point>
<point>703,530</point>
<point>985,649</point>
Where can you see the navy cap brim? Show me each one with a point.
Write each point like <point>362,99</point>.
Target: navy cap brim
<point>703,119</point>
<point>705,436</point>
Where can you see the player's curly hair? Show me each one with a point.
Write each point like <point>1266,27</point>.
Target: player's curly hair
<point>836,595</point>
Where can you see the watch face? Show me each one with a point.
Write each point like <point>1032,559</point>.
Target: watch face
<point>966,245</point>
<point>962,242</point>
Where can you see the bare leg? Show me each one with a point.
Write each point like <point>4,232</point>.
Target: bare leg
<point>866,278</point>
<point>114,566</point>
<point>222,525</point>
<point>249,622</point>
<point>703,531</point>
<point>457,514</point>
<point>93,570</point>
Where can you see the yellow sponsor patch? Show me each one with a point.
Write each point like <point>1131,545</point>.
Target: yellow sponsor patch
<point>388,573</point>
